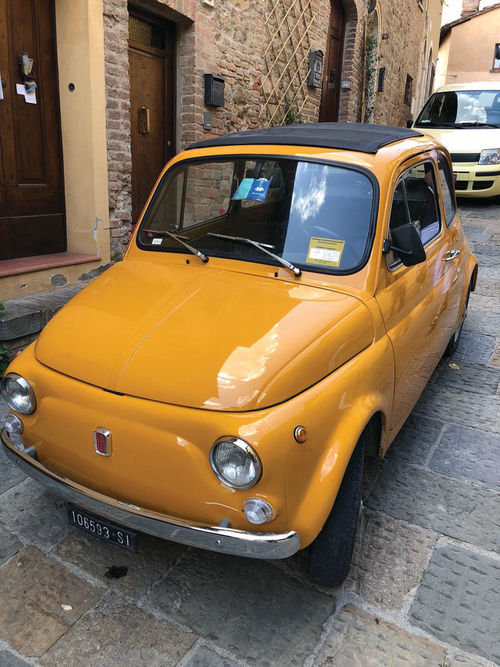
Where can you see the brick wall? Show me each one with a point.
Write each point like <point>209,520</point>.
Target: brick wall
<point>238,39</point>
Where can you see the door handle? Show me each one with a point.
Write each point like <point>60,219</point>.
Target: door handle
<point>144,121</point>
<point>450,255</point>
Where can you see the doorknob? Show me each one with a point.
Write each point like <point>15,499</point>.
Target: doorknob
<point>144,120</point>
<point>450,255</point>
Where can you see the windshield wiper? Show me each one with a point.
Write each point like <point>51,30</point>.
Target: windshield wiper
<point>475,123</point>
<point>261,246</point>
<point>182,240</point>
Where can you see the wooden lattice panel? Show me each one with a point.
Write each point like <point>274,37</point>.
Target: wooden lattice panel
<point>286,52</point>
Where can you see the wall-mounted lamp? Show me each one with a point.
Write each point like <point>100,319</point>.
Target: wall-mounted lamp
<point>385,35</point>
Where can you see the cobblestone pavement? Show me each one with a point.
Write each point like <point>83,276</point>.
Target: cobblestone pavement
<point>424,587</point>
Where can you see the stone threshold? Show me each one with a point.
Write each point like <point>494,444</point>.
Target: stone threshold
<point>13,267</point>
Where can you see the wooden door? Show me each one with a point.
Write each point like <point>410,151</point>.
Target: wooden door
<point>151,67</point>
<point>31,184</point>
<point>330,94</point>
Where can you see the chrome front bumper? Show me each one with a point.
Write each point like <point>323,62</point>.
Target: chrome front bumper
<point>213,538</point>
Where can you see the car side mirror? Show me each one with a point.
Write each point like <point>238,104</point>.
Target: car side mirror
<point>407,243</point>
<point>409,123</point>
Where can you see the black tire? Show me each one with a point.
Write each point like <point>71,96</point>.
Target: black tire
<point>330,553</point>
<point>455,339</point>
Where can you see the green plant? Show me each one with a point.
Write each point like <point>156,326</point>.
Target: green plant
<point>4,360</point>
<point>2,305</point>
<point>289,114</point>
<point>370,68</point>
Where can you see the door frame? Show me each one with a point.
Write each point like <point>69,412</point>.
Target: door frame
<point>170,56</point>
<point>323,111</point>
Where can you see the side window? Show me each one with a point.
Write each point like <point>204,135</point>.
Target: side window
<point>421,193</point>
<point>399,216</point>
<point>447,188</point>
<point>415,200</point>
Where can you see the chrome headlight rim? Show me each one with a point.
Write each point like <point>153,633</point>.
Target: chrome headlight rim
<point>24,384</point>
<point>489,156</point>
<point>249,451</point>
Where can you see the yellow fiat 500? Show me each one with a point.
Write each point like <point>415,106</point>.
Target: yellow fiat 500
<point>282,303</point>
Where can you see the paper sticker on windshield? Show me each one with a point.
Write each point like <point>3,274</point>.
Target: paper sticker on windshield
<point>252,189</point>
<point>156,241</point>
<point>326,252</point>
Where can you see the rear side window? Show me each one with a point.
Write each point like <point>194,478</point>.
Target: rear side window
<point>447,189</point>
<point>415,200</point>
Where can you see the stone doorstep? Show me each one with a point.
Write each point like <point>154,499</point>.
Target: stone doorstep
<point>22,319</point>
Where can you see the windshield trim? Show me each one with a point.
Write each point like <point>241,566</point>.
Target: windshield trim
<point>265,260</point>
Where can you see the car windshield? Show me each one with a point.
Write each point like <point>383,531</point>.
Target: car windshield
<point>316,216</point>
<point>461,109</point>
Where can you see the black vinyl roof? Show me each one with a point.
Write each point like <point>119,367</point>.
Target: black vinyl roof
<point>363,137</point>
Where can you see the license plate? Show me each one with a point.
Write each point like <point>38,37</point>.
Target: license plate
<point>103,529</point>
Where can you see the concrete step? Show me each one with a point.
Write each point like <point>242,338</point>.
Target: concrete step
<point>22,319</point>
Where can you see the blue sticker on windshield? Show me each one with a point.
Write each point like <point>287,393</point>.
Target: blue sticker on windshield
<point>258,191</point>
<point>243,189</point>
<point>252,189</point>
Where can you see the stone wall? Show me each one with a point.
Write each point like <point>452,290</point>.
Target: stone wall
<point>401,55</point>
<point>261,49</point>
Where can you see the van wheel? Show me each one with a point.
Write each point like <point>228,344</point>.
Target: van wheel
<point>455,339</point>
<point>330,553</point>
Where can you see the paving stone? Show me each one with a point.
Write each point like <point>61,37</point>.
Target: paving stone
<point>9,660</point>
<point>458,600</point>
<point>30,511</point>
<point>468,453</point>
<point>9,544</point>
<point>202,656</point>
<point>459,509</point>
<point>4,410</point>
<point>484,321</point>
<point>476,234</point>
<point>488,281</point>
<point>469,377</point>
<point>10,475</point>
<point>474,348</point>
<point>459,407</point>
<point>32,590</point>
<point>495,357</point>
<point>487,255</point>
<point>416,439</point>
<point>389,560</point>
<point>119,633</point>
<point>152,560</point>
<point>250,607</point>
<point>482,211</point>
<point>465,661</point>
<point>485,302</point>
<point>359,639</point>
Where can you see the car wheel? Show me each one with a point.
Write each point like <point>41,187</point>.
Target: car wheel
<point>330,553</point>
<point>454,340</point>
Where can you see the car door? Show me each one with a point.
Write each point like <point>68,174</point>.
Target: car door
<point>419,303</point>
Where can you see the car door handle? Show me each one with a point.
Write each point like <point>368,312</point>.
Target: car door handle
<point>451,254</point>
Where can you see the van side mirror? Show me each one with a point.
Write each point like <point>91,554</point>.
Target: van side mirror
<point>407,243</point>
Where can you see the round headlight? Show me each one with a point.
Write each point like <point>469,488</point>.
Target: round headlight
<point>18,394</point>
<point>235,462</point>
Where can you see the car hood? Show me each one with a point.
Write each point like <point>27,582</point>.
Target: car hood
<point>465,141</point>
<point>203,337</point>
